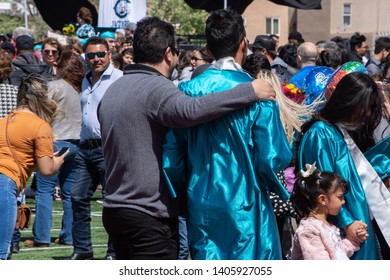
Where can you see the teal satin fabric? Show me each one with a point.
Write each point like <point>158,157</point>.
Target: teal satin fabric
<point>227,166</point>
<point>379,157</point>
<point>324,144</point>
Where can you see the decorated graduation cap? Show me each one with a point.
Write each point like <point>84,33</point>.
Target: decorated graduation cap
<point>316,82</point>
<point>106,32</point>
<point>339,73</point>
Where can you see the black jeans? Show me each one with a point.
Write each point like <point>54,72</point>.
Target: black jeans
<point>139,236</point>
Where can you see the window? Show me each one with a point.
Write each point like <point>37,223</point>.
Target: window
<point>272,26</point>
<point>347,15</point>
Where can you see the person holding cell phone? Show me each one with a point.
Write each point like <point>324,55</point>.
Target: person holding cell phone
<point>65,90</point>
<point>26,144</point>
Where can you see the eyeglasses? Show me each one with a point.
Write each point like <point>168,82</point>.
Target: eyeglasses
<point>91,55</point>
<point>196,58</point>
<point>48,52</point>
<point>365,47</point>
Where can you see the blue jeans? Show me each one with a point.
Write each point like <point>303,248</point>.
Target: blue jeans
<point>91,169</point>
<point>183,240</point>
<point>44,198</point>
<point>8,209</point>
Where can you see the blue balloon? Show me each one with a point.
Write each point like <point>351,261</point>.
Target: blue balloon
<point>316,82</point>
<point>299,79</point>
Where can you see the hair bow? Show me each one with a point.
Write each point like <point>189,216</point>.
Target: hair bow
<point>310,168</point>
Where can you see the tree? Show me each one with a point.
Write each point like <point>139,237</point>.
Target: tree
<point>35,22</point>
<point>186,20</point>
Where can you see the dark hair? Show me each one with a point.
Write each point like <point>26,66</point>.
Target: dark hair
<point>295,35</point>
<point>353,98</point>
<point>332,55</point>
<point>71,68</point>
<point>151,39</point>
<point>288,53</point>
<point>224,32</point>
<point>203,53</point>
<point>307,189</point>
<point>5,66</point>
<point>85,14</point>
<point>127,51</point>
<point>356,41</point>
<point>95,40</point>
<point>117,60</point>
<point>255,62</point>
<point>382,43</point>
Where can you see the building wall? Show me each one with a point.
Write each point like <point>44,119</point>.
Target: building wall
<point>315,25</point>
<point>256,14</point>
<point>367,17</point>
<point>371,18</point>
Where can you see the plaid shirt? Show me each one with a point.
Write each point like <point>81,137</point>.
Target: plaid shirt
<point>8,97</point>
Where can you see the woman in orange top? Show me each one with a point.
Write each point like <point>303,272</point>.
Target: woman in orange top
<point>27,129</point>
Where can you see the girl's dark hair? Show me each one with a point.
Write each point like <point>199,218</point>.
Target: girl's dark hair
<point>307,189</point>
<point>203,53</point>
<point>255,62</point>
<point>356,105</point>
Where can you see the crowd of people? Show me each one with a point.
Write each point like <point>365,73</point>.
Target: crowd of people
<point>234,150</point>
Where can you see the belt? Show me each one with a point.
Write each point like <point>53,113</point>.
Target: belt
<point>72,141</point>
<point>91,143</point>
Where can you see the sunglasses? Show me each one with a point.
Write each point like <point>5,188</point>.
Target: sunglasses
<point>53,52</point>
<point>175,50</point>
<point>92,55</point>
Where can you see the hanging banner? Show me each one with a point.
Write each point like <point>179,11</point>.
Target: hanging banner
<point>119,13</point>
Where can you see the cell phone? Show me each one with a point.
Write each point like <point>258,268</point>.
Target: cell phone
<point>62,151</point>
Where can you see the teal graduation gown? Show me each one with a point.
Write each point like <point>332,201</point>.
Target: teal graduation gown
<point>227,166</point>
<point>325,145</point>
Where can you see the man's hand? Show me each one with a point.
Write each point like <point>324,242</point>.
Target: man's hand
<point>264,90</point>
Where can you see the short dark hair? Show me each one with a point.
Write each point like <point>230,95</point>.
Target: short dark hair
<point>295,35</point>
<point>382,43</point>
<point>356,41</point>
<point>224,32</point>
<point>95,40</point>
<point>151,39</point>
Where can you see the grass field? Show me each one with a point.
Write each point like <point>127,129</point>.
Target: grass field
<point>61,252</point>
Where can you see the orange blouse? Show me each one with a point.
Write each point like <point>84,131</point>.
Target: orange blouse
<point>30,138</point>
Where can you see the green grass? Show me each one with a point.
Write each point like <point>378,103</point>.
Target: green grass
<point>61,252</point>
